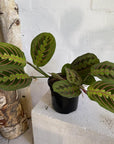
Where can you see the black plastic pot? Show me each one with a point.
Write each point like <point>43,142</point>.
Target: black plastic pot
<point>62,104</point>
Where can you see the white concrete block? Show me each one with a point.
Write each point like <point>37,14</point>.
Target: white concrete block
<point>107,5</point>
<point>90,124</point>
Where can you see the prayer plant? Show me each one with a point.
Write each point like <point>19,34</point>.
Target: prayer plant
<point>70,83</point>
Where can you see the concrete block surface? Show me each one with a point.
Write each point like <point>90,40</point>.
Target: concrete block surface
<point>89,124</point>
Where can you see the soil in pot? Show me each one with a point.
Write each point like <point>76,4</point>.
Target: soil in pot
<point>62,104</point>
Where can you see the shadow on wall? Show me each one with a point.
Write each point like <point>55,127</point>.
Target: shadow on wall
<point>99,42</point>
<point>70,23</point>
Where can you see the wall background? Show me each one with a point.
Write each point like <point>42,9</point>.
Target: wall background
<point>79,26</point>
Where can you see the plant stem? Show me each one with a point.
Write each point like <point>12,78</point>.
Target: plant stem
<point>38,69</point>
<point>34,77</point>
<point>83,89</point>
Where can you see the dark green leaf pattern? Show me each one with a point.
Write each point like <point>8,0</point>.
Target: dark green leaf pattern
<point>89,79</point>
<point>42,48</point>
<point>12,62</point>
<point>14,79</point>
<point>104,71</point>
<point>103,93</point>
<point>57,76</point>
<point>66,89</point>
<point>67,65</point>
<point>82,64</point>
<point>11,57</point>
<point>73,77</point>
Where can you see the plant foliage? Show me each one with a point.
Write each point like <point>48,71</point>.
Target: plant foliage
<point>11,57</point>
<point>66,89</point>
<point>82,65</point>
<point>14,79</point>
<point>73,77</point>
<point>82,70</point>
<point>12,62</point>
<point>42,49</point>
<point>104,71</point>
<point>103,93</point>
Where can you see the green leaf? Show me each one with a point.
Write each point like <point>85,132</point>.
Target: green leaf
<point>42,48</point>
<point>103,93</point>
<point>12,62</point>
<point>11,57</point>
<point>14,79</point>
<point>82,64</point>
<point>73,77</point>
<point>66,89</point>
<point>63,71</point>
<point>104,71</point>
<point>57,76</point>
<point>89,80</point>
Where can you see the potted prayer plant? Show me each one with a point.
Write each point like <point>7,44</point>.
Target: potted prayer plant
<point>65,86</point>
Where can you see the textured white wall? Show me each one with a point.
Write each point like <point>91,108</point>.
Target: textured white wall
<point>77,25</point>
